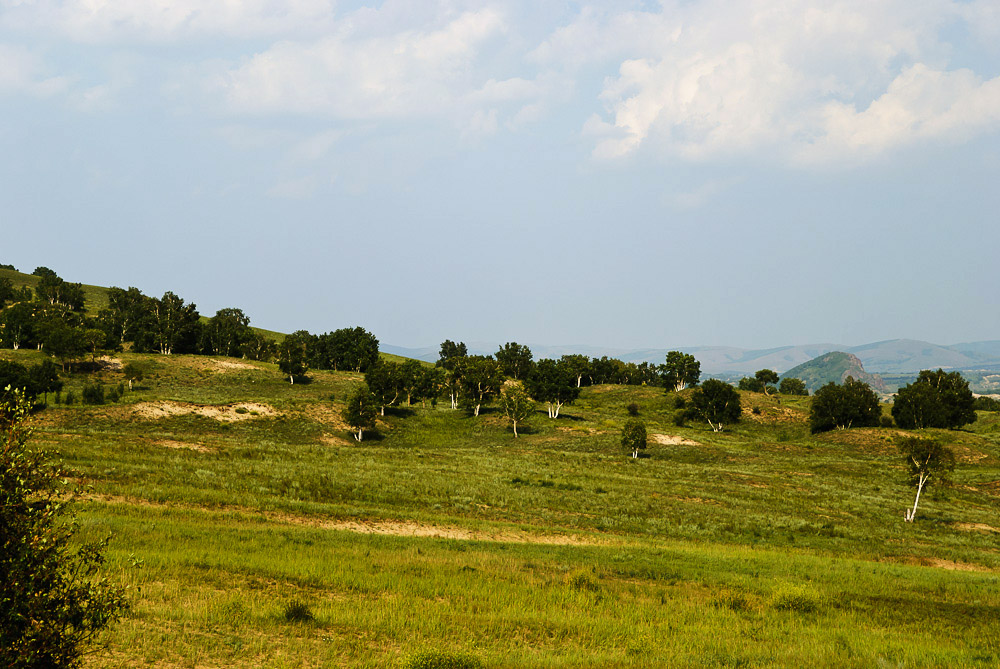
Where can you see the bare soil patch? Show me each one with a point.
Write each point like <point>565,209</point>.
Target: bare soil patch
<point>977,527</point>
<point>182,445</point>
<point>110,364</point>
<point>229,365</point>
<point>673,440</point>
<point>400,528</point>
<point>950,565</point>
<point>226,413</point>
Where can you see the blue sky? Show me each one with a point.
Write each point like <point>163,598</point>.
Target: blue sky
<point>622,174</point>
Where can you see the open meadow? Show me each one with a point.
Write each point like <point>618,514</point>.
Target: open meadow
<point>254,531</point>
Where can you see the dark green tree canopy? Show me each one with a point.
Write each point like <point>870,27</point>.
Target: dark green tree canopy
<point>680,371</point>
<point>450,353</point>
<point>853,404</point>
<point>935,399</point>
<point>766,378</point>
<point>716,402</point>
<point>926,460</point>
<point>634,436</point>
<point>553,383</point>
<point>515,360</point>
<point>792,386</point>
<point>578,366</point>
<point>359,411</point>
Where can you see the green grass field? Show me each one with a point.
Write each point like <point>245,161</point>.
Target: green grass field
<point>232,494</point>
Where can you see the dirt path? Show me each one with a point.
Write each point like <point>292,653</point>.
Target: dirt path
<point>399,528</point>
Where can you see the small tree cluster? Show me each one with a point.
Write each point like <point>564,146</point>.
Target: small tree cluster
<point>717,403</point>
<point>935,399</point>
<point>634,436</point>
<point>853,404</point>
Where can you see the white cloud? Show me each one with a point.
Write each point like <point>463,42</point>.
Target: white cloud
<point>722,77</point>
<point>24,72</point>
<point>356,76</point>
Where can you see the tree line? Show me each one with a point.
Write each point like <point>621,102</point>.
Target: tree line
<point>51,318</point>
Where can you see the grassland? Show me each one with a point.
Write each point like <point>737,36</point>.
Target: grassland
<point>759,546</point>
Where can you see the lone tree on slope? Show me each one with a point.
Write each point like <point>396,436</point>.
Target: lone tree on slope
<point>925,458</point>
<point>359,412</point>
<point>634,436</point>
<point>716,402</point>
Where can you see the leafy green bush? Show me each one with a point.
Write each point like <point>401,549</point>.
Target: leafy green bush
<point>633,409</point>
<point>242,410</point>
<point>53,600</point>
<point>93,393</point>
<point>439,659</point>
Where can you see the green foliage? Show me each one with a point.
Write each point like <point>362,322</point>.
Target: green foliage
<point>634,436</point>
<point>795,598</point>
<point>792,386</point>
<point>515,360</point>
<point>53,600</point>
<point>926,459</point>
<point>935,399</point>
<point>716,402</point>
<point>632,408</point>
<point>680,371</point>
<point>750,384</point>
<point>516,404</point>
<point>853,404</point>
<point>134,373</point>
<point>554,383</point>
<point>984,403</point>
<point>359,411</point>
<point>93,393</point>
<point>766,378</point>
<point>293,355</point>
<point>480,380</point>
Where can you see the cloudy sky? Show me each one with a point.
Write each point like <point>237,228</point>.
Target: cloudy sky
<point>631,174</point>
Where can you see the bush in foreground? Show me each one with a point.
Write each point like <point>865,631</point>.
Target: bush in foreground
<point>53,600</point>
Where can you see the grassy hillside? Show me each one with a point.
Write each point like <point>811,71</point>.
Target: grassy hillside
<point>833,367</point>
<point>232,494</point>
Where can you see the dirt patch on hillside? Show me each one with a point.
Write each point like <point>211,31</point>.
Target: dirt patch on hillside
<point>226,413</point>
<point>413,529</point>
<point>399,528</point>
<point>950,565</point>
<point>673,440</point>
<point>977,527</point>
<point>327,415</point>
<point>182,445</point>
<point>773,415</point>
<point>229,365</point>
<point>110,364</point>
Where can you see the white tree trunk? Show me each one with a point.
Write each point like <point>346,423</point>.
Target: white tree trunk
<point>912,513</point>
<point>291,379</point>
<point>558,406</point>
<point>515,429</point>
<point>358,435</point>
<point>476,412</point>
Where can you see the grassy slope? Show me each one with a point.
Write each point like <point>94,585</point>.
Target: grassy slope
<point>763,545</point>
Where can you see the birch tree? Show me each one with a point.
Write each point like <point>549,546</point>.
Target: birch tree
<point>516,404</point>
<point>926,460</point>
<point>716,402</point>
<point>359,412</point>
<point>680,371</point>
<point>553,383</point>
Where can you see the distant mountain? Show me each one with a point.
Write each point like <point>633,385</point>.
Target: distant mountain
<point>834,367</point>
<point>894,356</point>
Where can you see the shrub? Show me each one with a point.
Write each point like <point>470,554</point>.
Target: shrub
<point>755,411</point>
<point>297,611</point>
<point>439,659</point>
<point>242,410</point>
<point>679,402</point>
<point>70,397</point>
<point>93,393</point>
<point>791,598</point>
<point>113,395</point>
<point>53,600</point>
<point>886,421</point>
<point>679,418</point>
<point>633,409</point>
<point>582,579</point>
